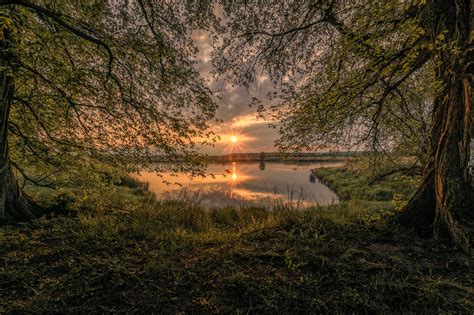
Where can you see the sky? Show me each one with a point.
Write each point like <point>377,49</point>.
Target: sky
<point>253,133</point>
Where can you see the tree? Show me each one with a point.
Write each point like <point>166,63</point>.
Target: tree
<point>87,85</point>
<point>352,70</point>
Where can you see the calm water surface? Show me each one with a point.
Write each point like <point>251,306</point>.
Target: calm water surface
<point>237,183</point>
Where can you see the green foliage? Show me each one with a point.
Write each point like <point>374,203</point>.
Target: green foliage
<point>102,87</point>
<point>347,75</point>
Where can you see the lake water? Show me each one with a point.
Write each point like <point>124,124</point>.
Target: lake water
<point>239,183</point>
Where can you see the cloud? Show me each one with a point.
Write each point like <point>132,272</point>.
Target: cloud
<point>238,117</point>
<point>245,121</point>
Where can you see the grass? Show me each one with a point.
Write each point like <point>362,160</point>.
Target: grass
<point>125,251</point>
<point>351,184</point>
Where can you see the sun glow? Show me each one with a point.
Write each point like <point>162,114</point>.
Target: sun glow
<point>234,141</point>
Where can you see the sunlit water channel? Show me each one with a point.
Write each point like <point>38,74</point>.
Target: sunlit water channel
<point>242,183</point>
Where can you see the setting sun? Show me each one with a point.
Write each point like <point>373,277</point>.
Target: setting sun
<point>234,139</point>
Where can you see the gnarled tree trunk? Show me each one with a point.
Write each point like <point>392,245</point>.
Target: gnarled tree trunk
<point>444,203</point>
<point>14,205</point>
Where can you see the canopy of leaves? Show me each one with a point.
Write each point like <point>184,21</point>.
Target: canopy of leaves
<point>106,83</point>
<point>353,74</point>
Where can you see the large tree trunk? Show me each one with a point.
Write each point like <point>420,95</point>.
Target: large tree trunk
<point>14,205</point>
<point>444,203</point>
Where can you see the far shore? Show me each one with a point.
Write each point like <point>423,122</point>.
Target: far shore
<point>278,157</point>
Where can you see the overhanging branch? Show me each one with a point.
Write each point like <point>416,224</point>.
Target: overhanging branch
<point>59,20</point>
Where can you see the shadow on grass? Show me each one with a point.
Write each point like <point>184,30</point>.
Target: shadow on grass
<point>128,252</point>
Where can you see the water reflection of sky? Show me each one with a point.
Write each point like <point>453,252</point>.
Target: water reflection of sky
<point>237,183</point>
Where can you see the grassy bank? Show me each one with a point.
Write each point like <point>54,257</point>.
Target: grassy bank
<point>124,251</point>
<point>391,192</point>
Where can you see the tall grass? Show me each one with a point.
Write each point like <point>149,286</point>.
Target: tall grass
<point>133,251</point>
<point>122,212</point>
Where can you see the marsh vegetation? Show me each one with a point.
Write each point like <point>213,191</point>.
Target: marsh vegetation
<point>122,249</point>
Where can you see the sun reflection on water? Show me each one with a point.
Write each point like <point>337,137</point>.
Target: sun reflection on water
<point>234,183</point>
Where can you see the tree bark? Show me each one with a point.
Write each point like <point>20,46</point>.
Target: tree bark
<point>14,205</point>
<point>444,203</point>
<point>420,211</point>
